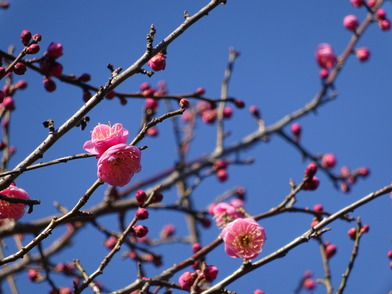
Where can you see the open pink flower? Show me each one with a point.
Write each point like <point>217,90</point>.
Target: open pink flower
<point>104,137</point>
<point>243,238</point>
<point>118,164</point>
<point>13,210</point>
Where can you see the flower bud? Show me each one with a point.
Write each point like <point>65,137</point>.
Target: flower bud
<point>141,214</point>
<point>37,38</point>
<point>328,161</point>
<point>310,170</point>
<point>330,250</point>
<point>311,185</point>
<point>49,85</point>
<point>196,247</point>
<point>384,24</point>
<point>8,103</point>
<point>144,86</point>
<point>200,91</point>
<point>158,62</point>
<point>325,56</point>
<point>357,3</point>
<point>140,231</point>
<point>227,112</point>
<point>152,132</point>
<point>110,242</point>
<point>380,14</point>
<point>318,208</point>
<point>296,129</point>
<point>222,175</point>
<point>141,197</point>
<point>210,272</point>
<point>323,73</point>
<point>254,111</point>
<point>239,103</point>
<point>352,233</point>
<point>22,84</point>
<point>362,54</point>
<point>84,78</point>
<point>184,103</point>
<point>365,229</point>
<point>350,22</point>
<point>186,280</point>
<point>20,68</point>
<point>25,37</point>
<point>55,50</point>
<point>32,49</point>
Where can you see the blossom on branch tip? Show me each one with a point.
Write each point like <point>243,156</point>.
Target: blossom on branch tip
<point>158,62</point>
<point>118,164</point>
<point>13,210</point>
<point>362,54</point>
<point>350,22</point>
<point>104,136</point>
<point>325,56</point>
<point>243,238</point>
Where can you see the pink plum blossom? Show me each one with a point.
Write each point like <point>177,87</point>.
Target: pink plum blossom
<point>118,164</point>
<point>158,62</point>
<point>13,210</point>
<point>325,56</point>
<point>243,238</point>
<point>104,136</point>
<point>224,213</point>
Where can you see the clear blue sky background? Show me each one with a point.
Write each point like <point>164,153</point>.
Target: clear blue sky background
<point>276,71</point>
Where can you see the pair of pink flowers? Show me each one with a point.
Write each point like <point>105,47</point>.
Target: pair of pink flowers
<point>118,162</point>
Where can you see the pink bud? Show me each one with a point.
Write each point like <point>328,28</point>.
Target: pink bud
<point>363,171</point>
<point>186,280</point>
<point>140,231</point>
<point>258,291</point>
<point>33,275</point>
<point>309,284</point>
<point>239,103</point>
<point>318,208</point>
<point>20,68</point>
<point>357,3</point>
<point>200,91</point>
<point>312,184</point>
<point>141,214</point>
<point>344,187</point>
<point>158,62</point>
<point>184,103</point>
<point>49,85</point>
<point>220,164</point>
<point>167,231</point>
<point>310,170</point>
<point>196,247</point>
<point>380,14</point>
<point>151,103</point>
<point>37,38</point>
<point>384,24</point>
<point>8,103</point>
<point>152,132</point>
<point>13,210</point>
<point>227,112</point>
<point>350,22</point>
<point>296,129</point>
<point>32,49</point>
<point>325,56</point>
<point>389,254</point>
<point>352,233</point>
<point>25,37</point>
<point>22,84</point>
<point>254,111</point>
<point>222,175</point>
<point>210,272</point>
<point>141,197</point>
<point>345,172</point>
<point>365,229</point>
<point>371,3</point>
<point>330,250</point>
<point>323,73</point>
<point>55,50</point>
<point>328,161</point>
<point>362,54</point>
<point>110,242</point>
<point>144,86</point>
<point>209,116</point>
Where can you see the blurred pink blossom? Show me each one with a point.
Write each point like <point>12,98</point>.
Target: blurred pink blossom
<point>118,164</point>
<point>243,238</point>
<point>325,56</point>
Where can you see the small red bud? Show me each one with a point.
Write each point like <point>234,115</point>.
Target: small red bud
<point>37,38</point>
<point>200,91</point>
<point>141,214</point>
<point>140,231</point>
<point>55,50</point>
<point>330,250</point>
<point>49,84</point>
<point>152,132</point>
<point>25,37</point>
<point>318,208</point>
<point>32,49</point>
<point>220,164</point>
<point>389,254</point>
<point>33,275</point>
<point>222,175</point>
<point>184,103</point>
<point>380,14</point>
<point>328,161</point>
<point>254,111</point>
<point>324,73</point>
<point>350,22</point>
<point>296,129</point>
<point>362,54</point>
<point>196,247</point>
<point>352,233</point>
<point>312,184</point>
<point>110,242</point>
<point>310,170</point>
<point>20,68</point>
<point>110,95</point>
<point>239,103</point>
<point>365,229</point>
<point>84,78</point>
<point>158,62</point>
<point>384,24</point>
<point>22,84</point>
<point>141,197</point>
<point>144,86</point>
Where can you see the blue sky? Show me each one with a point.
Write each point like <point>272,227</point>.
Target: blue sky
<point>276,71</point>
